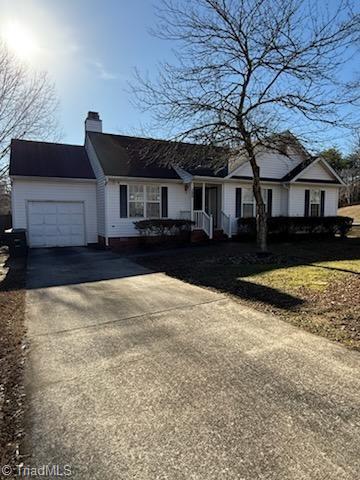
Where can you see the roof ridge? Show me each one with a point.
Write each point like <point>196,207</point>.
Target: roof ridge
<point>155,139</point>
<point>46,142</point>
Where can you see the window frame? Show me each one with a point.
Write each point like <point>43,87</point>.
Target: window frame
<point>311,203</point>
<point>145,200</point>
<point>264,194</point>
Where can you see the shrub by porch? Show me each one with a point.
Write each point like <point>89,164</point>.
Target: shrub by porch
<point>288,227</point>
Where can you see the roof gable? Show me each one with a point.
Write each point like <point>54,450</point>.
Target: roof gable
<point>272,165</point>
<point>43,159</point>
<point>317,171</point>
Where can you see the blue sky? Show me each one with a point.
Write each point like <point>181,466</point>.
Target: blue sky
<point>90,49</point>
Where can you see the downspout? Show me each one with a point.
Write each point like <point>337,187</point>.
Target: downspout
<point>106,212</point>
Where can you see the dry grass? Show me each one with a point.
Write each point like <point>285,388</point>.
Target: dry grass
<point>353,211</point>
<point>12,331</point>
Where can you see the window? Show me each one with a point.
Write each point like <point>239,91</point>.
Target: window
<point>136,201</point>
<point>153,198</point>
<point>315,203</point>
<point>249,203</point>
<point>144,201</point>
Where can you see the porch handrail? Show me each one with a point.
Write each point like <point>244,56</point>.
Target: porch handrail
<point>203,221</point>
<point>226,224</point>
<point>208,224</point>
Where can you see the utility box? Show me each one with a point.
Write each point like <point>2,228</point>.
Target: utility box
<point>15,239</point>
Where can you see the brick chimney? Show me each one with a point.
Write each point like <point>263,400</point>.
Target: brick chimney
<point>93,123</point>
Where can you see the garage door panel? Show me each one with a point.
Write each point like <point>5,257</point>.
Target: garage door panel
<point>36,219</point>
<point>48,208</point>
<point>76,229</point>
<point>50,230</point>
<point>76,208</point>
<point>64,219</point>
<point>77,219</point>
<point>65,229</point>
<point>50,219</point>
<point>37,230</point>
<point>53,224</point>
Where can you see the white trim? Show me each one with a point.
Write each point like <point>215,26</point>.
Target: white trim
<point>143,179</point>
<point>53,179</point>
<point>325,164</point>
<point>316,184</point>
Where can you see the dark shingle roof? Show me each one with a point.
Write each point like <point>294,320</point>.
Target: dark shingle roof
<point>42,159</point>
<point>209,172</point>
<point>124,156</point>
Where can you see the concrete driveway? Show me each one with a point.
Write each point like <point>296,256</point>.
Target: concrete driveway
<point>135,375</point>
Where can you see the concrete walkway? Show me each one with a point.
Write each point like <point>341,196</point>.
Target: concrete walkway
<point>135,375</point>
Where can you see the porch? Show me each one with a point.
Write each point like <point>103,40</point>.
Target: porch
<point>206,209</point>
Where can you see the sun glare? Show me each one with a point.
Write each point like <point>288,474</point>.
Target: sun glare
<point>20,40</point>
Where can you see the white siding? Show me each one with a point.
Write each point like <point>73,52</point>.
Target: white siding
<point>284,202</point>
<point>272,165</point>
<point>229,199</point>
<point>100,186</point>
<point>297,199</point>
<point>318,172</point>
<point>178,200</point>
<point>52,190</point>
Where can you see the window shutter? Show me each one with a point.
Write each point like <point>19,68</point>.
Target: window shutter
<point>322,203</point>
<point>123,201</point>
<point>238,202</point>
<point>307,203</point>
<point>269,202</point>
<point>164,202</point>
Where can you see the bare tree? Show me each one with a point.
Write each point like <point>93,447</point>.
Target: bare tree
<point>28,104</point>
<point>247,70</point>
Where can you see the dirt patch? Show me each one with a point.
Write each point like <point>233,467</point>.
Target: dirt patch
<point>12,356</point>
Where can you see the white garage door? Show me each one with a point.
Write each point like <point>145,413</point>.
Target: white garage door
<point>56,224</point>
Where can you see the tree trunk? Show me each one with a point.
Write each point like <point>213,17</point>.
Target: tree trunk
<point>261,228</point>
<point>261,217</point>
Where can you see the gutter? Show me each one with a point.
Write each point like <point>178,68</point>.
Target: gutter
<point>53,179</point>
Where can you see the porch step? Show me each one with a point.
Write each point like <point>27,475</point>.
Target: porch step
<point>219,235</point>
<point>201,236</point>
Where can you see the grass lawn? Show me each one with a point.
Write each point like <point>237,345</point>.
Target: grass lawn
<point>352,211</point>
<point>12,312</point>
<point>312,284</point>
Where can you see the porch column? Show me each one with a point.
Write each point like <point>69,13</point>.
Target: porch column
<point>203,197</point>
<point>192,201</point>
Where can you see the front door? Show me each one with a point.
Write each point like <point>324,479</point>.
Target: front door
<point>211,203</point>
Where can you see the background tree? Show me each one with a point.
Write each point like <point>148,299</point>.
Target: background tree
<point>248,69</point>
<point>335,158</point>
<point>28,105</point>
<point>351,175</point>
